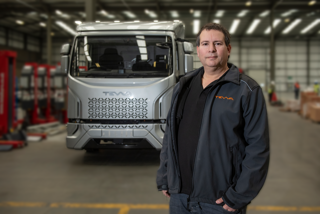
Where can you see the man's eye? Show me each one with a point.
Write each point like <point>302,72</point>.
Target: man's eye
<point>204,43</point>
<point>218,43</point>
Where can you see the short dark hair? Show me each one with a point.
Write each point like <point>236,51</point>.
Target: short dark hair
<point>214,26</point>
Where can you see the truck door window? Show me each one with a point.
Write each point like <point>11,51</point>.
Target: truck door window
<point>122,57</point>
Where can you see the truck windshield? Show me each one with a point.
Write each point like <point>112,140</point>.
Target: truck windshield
<point>122,57</point>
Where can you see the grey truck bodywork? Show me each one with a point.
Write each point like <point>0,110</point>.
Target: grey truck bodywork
<point>123,104</point>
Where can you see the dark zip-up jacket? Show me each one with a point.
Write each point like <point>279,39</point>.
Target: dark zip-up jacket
<point>232,155</point>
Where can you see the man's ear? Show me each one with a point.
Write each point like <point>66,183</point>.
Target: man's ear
<point>229,49</point>
<point>198,51</point>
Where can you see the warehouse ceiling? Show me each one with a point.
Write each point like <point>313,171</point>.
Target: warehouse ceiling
<point>31,16</point>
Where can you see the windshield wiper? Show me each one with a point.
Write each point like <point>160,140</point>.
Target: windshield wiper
<point>139,74</point>
<point>102,74</point>
<point>88,75</point>
<point>145,74</point>
<point>130,75</point>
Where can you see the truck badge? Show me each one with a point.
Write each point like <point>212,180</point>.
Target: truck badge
<point>113,93</point>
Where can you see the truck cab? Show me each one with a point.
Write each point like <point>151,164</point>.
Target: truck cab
<point>120,82</point>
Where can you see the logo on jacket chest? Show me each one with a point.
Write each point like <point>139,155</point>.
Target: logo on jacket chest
<point>224,98</point>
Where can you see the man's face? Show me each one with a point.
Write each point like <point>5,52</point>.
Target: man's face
<point>212,51</point>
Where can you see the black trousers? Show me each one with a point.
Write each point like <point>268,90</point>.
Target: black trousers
<point>179,205</point>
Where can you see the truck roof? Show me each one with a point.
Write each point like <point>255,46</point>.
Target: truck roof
<point>177,27</point>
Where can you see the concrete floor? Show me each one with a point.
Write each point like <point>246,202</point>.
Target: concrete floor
<point>48,178</point>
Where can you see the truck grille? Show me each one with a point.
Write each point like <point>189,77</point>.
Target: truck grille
<point>113,108</point>
<point>117,126</point>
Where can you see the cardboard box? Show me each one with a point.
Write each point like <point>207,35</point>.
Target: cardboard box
<point>307,97</point>
<point>314,111</point>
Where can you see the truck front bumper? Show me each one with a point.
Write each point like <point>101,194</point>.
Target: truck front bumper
<point>82,136</point>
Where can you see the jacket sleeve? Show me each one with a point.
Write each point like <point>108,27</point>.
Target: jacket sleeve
<point>162,182</point>
<point>256,160</point>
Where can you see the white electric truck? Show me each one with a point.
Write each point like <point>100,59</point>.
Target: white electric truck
<point>120,82</point>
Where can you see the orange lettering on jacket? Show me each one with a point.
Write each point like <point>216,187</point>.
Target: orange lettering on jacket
<point>225,98</point>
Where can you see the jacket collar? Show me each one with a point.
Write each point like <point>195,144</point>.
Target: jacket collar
<point>233,75</point>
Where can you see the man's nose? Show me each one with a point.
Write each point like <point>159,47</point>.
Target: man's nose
<point>212,47</point>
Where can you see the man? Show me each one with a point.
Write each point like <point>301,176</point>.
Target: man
<point>271,90</point>
<point>215,151</point>
<point>296,90</point>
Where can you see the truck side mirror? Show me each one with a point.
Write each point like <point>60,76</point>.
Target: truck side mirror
<point>188,66</point>
<point>185,49</point>
<point>65,50</point>
<point>188,47</point>
<point>188,50</point>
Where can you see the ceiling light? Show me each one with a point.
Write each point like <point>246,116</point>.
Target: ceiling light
<point>196,26</point>
<point>42,24</point>
<point>155,20</point>
<point>234,26</point>
<point>219,13</point>
<point>136,21</point>
<point>174,14</point>
<point>291,26</point>
<point>288,13</point>
<point>311,3</point>
<point>242,13</point>
<point>78,22</point>
<point>129,14</point>
<point>103,12</point>
<point>97,21</point>
<point>32,13</point>
<point>152,14</point>
<point>287,20</point>
<point>82,14</point>
<point>191,10</point>
<point>43,15</point>
<point>275,23</point>
<point>66,27</point>
<point>58,12</point>
<point>106,14</point>
<point>253,26</point>
<point>265,13</point>
<point>19,22</point>
<point>311,14</point>
<point>314,23</point>
<point>176,20</point>
<point>248,3</point>
<point>197,13</point>
<point>116,21</point>
<point>64,15</point>
<point>216,21</point>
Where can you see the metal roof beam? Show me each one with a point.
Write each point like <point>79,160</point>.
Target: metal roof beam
<point>141,6</point>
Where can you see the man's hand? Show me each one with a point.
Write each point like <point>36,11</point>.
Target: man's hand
<point>226,207</point>
<point>165,192</point>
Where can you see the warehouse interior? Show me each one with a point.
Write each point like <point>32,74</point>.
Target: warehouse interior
<point>276,42</point>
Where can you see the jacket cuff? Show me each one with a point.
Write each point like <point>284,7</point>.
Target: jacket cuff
<point>227,201</point>
<point>162,187</point>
